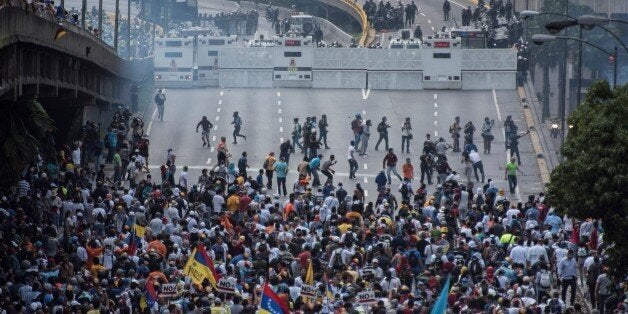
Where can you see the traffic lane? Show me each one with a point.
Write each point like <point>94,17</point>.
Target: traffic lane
<point>182,111</point>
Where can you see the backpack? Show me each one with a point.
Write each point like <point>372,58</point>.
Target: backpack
<point>337,262</point>
<point>554,306</point>
<point>356,127</point>
<point>475,268</point>
<point>404,189</point>
<point>545,279</point>
<point>441,166</point>
<point>496,254</point>
<point>381,127</point>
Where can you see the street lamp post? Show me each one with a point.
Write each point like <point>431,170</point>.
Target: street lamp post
<point>128,29</point>
<point>115,25</point>
<point>539,39</point>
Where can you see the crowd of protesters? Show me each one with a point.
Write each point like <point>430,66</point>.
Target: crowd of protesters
<point>69,240</point>
<point>141,33</point>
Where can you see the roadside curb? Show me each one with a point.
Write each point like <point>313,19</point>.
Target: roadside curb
<point>534,137</point>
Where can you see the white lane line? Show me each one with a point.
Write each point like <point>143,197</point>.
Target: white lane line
<point>429,21</point>
<point>218,110</point>
<point>212,149</point>
<point>214,138</point>
<point>433,28</point>
<point>422,14</point>
<point>280,129</point>
<point>222,93</point>
<point>278,94</point>
<point>366,193</point>
<point>220,101</point>
<point>436,113</point>
<point>365,93</point>
<point>279,110</point>
<point>435,96</point>
<point>435,105</point>
<point>280,119</point>
<point>150,124</point>
<point>458,4</point>
<point>499,114</point>
<point>435,133</point>
<point>435,123</point>
<point>215,127</point>
<point>363,112</point>
<point>217,118</point>
<point>281,139</point>
<point>209,161</point>
<point>366,180</point>
<point>365,167</point>
<point>278,102</point>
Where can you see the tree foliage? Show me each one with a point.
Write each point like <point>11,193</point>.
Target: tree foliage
<point>22,126</point>
<point>593,180</point>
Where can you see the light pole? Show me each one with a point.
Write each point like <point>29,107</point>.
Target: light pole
<point>539,39</point>
<point>128,29</point>
<point>115,25</point>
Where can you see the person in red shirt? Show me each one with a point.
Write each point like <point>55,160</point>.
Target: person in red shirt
<point>390,164</point>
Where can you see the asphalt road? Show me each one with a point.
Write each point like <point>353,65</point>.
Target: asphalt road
<point>268,114</point>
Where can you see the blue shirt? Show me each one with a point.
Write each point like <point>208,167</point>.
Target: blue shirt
<point>281,168</point>
<point>567,268</point>
<point>314,163</point>
<point>553,221</point>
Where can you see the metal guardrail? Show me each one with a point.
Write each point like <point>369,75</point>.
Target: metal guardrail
<point>363,20</point>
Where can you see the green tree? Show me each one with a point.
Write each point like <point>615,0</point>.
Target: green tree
<point>23,125</point>
<point>593,180</point>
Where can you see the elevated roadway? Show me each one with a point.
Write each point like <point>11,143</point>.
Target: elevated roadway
<point>76,75</point>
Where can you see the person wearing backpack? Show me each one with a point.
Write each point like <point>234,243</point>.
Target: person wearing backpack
<point>543,281</point>
<point>356,127</point>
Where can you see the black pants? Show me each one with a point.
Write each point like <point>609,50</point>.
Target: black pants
<point>236,133</point>
<point>512,184</point>
<point>456,138</point>
<point>426,172</point>
<point>353,167</point>
<point>269,179</point>
<point>329,175</point>
<point>382,136</point>
<point>446,15</point>
<point>323,139</point>
<point>566,283</point>
<point>514,149</point>
<point>480,166</point>
<point>281,184</point>
<point>405,140</point>
<point>591,286</point>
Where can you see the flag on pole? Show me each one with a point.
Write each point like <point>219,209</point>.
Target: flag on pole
<point>309,275</point>
<point>61,31</point>
<point>200,267</point>
<point>440,307</point>
<point>271,303</point>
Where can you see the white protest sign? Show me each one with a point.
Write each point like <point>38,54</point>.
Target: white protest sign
<point>227,285</point>
<point>168,290</point>
<point>367,297</point>
<point>308,291</point>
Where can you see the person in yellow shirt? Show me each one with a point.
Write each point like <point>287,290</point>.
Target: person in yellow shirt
<point>218,308</point>
<point>96,268</point>
<point>233,203</point>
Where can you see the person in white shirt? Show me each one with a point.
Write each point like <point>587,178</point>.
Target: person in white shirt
<point>184,178</point>
<point>519,253</point>
<point>537,251</point>
<point>513,211</point>
<point>353,164</point>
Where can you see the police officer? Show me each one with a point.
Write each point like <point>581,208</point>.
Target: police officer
<point>446,9</point>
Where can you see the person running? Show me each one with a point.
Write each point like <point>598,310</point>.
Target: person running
<point>406,135</point>
<point>353,164</point>
<point>205,127</point>
<point>160,100</point>
<point>511,174</point>
<point>390,165</point>
<point>328,171</point>
<point>382,129</point>
<point>237,126</point>
<point>296,135</point>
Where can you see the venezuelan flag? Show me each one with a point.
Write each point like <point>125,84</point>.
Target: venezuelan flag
<point>271,303</point>
<point>151,294</point>
<point>200,267</point>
